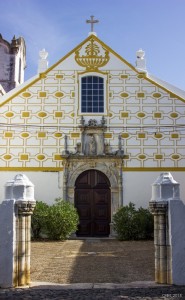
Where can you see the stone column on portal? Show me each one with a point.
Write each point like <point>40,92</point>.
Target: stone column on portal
<point>15,232</point>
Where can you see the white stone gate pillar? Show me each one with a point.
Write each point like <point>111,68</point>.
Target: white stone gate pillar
<point>15,228</point>
<point>169,230</point>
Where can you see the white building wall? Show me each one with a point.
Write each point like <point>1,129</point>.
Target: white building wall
<point>47,184</point>
<point>147,117</point>
<point>137,186</point>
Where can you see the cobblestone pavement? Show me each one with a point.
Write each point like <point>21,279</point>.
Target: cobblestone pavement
<point>148,293</point>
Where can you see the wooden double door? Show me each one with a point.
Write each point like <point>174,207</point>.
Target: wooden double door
<point>92,200</point>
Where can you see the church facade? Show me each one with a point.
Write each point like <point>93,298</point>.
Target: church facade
<point>95,131</point>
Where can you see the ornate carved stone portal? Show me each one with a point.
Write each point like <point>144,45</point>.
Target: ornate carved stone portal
<point>93,153</point>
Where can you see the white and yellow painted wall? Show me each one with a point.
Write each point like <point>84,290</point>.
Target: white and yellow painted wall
<point>36,116</point>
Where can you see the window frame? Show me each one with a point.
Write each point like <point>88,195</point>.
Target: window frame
<point>104,77</point>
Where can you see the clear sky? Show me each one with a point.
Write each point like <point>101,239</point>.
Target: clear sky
<point>156,26</point>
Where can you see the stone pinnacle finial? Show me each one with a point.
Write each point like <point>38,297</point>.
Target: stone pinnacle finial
<point>43,63</point>
<point>140,61</point>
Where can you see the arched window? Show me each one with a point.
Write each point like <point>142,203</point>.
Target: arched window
<point>92,94</point>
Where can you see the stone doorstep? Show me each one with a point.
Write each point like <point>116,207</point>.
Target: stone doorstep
<point>136,284</point>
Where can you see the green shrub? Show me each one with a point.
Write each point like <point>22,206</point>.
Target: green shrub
<point>38,219</point>
<point>55,222</point>
<point>132,224</point>
<point>124,222</point>
<point>145,224</point>
<point>62,220</point>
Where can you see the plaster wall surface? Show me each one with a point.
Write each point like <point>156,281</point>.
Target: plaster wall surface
<point>47,184</point>
<point>136,185</point>
<point>177,240</point>
<point>7,244</point>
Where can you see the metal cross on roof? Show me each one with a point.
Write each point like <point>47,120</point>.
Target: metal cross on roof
<point>92,22</point>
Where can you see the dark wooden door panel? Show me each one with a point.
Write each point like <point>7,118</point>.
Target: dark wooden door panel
<point>92,200</point>
<point>84,180</point>
<point>83,196</point>
<point>84,228</point>
<point>101,196</point>
<point>101,212</point>
<point>84,212</point>
<point>101,229</point>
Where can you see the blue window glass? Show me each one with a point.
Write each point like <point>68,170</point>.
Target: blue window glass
<point>92,99</point>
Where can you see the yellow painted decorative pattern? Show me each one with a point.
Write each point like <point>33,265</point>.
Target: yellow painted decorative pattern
<point>158,156</point>
<point>175,156</point>
<point>59,76</point>
<point>93,59</point>
<point>108,135</point>
<point>140,76</point>
<point>8,134</point>
<point>40,157</point>
<point>41,134</point>
<point>42,114</point>
<point>125,135</point>
<point>58,114</point>
<point>26,94</point>
<point>59,94</point>
<point>140,95</point>
<point>42,94</point>
<point>124,114</point>
<point>58,134</point>
<point>25,134</point>
<point>142,156</point>
<point>9,114</point>
<point>37,119</point>
<point>24,157</point>
<point>174,135</point>
<point>174,115</point>
<point>141,135</point>
<point>25,114</point>
<point>57,157</point>
<point>75,135</point>
<point>157,115</point>
<point>124,95</point>
<point>141,115</point>
<point>7,156</point>
<point>156,95</point>
<point>158,135</point>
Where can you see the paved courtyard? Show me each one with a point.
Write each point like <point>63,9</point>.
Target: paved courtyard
<point>93,269</point>
<point>92,261</point>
